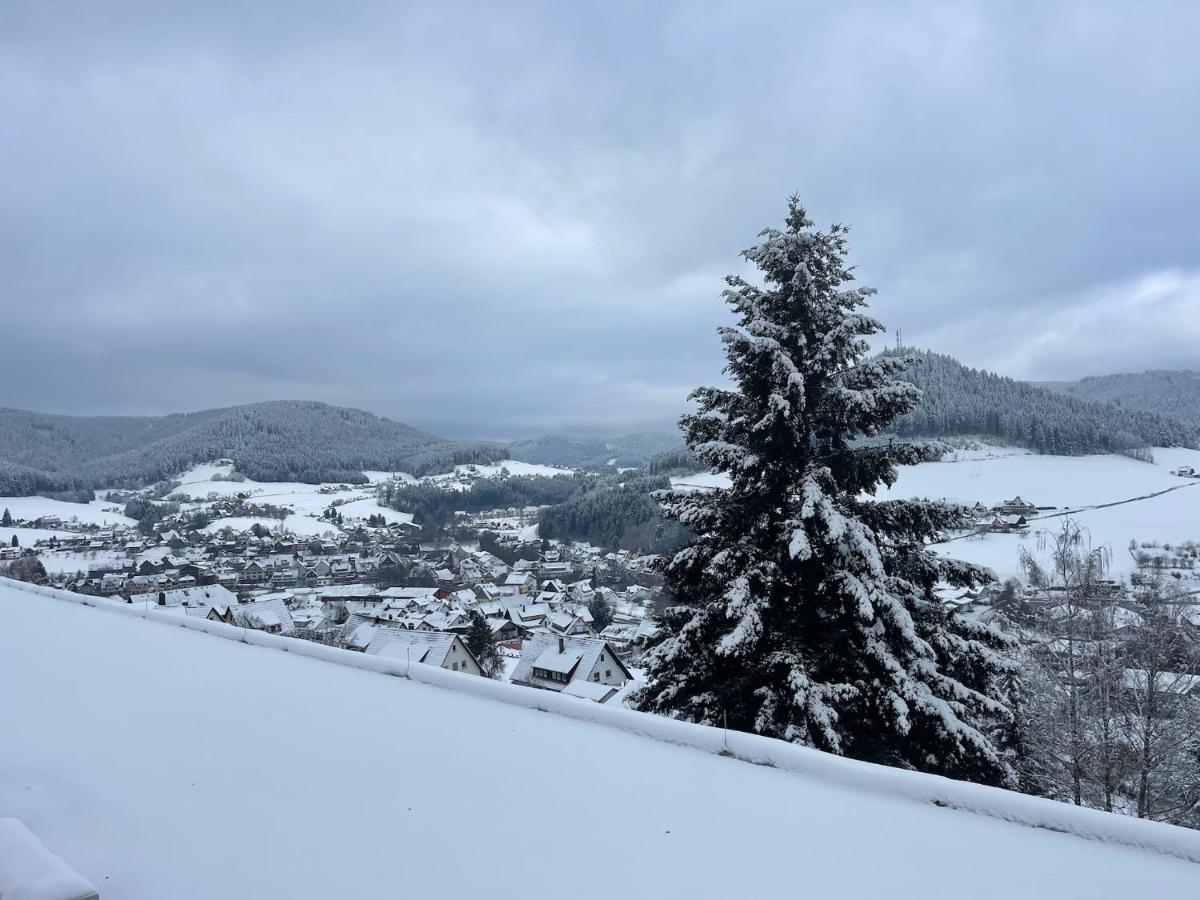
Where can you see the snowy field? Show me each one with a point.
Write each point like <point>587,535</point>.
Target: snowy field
<point>1060,481</point>
<point>98,512</point>
<point>58,562</point>
<point>991,475</point>
<point>1069,483</point>
<point>512,466</point>
<point>27,537</point>
<point>376,477</point>
<point>700,481</point>
<point>118,756</point>
<point>307,501</point>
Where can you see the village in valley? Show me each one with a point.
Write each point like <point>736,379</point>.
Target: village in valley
<point>332,563</point>
<point>568,618</point>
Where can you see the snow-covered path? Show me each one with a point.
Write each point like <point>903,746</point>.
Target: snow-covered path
<point>162,762</point>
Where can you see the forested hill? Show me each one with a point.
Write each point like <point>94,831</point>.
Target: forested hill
<point>276,441</point>
<point>959,400</point>
<point>1166,392</point>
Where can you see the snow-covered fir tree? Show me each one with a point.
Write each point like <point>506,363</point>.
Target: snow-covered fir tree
<point>813,616</point>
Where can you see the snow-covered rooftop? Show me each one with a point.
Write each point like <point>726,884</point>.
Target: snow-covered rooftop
<point>117,750</point>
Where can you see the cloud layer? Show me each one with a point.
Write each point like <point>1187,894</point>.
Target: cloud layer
<point>498,220</point>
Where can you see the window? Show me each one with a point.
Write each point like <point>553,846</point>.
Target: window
<point>562,677</point>
<point>454,667</point>
<point>596,676</point>
<point>608,673</point>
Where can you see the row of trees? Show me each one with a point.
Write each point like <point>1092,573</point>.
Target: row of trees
<point>434,507</point>
<point>1110,712</point>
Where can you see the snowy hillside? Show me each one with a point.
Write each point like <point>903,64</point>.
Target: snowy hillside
<point>1137,501</point>
<point>163,762</point>
<point>306,502</point>
<point>97,512</point>
<point>1115,498</point>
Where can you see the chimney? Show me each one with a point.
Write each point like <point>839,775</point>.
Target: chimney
<point>562,646</point>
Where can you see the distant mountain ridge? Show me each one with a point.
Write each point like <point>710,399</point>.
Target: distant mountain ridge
<point>959,400</point>
<point>273,441</point>
<point>1168,392</point>
<point>309,441</point>
<point>623,451</point>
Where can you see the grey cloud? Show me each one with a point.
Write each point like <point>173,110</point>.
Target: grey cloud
<point>502,220</point>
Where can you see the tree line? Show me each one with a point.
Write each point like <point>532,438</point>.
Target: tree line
<point>434,506</point>
<point>959,400</point>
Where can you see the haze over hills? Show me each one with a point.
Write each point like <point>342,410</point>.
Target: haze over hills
<point>1166,392</point>
<point>963,401</point>
<point>629,450</point>
<point>313,442</point>
<point>273,441</point>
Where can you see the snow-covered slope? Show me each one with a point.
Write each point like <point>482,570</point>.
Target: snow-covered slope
<point>306,501</point>
<point>163,762</point>
<point>98,512</point>
<point>509,466</point>
<point>1115,498</point>
<point>1162,507</point>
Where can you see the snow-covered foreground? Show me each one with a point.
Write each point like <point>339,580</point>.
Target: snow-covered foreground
<point>163,762</point>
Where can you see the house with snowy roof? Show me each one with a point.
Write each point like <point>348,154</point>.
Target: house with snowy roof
<point>433,648</point>
<point>581,666</point>
<point>556,569</point>
<point>1017,506</point>
<point>519,583</point>
<point>581,590</point>
<point>343,592</point>
<point>447,620</point>
<point>564,622</point>
<point>221,613</point>
<point>205,596</point>
<point>506,630</point>
<point>271,616</point>
<point>529,615</point>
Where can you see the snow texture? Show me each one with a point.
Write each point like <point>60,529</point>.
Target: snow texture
<point>29,871</point>
<point>144,758</point>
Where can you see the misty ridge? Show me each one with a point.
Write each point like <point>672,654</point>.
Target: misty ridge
<point>307,441</point>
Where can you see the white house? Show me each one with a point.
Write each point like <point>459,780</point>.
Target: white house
<point>563,622</point>
<point>434,648</point>
<point>585,665</point>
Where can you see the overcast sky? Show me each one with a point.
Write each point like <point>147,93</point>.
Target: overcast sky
<point>499,219</point>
